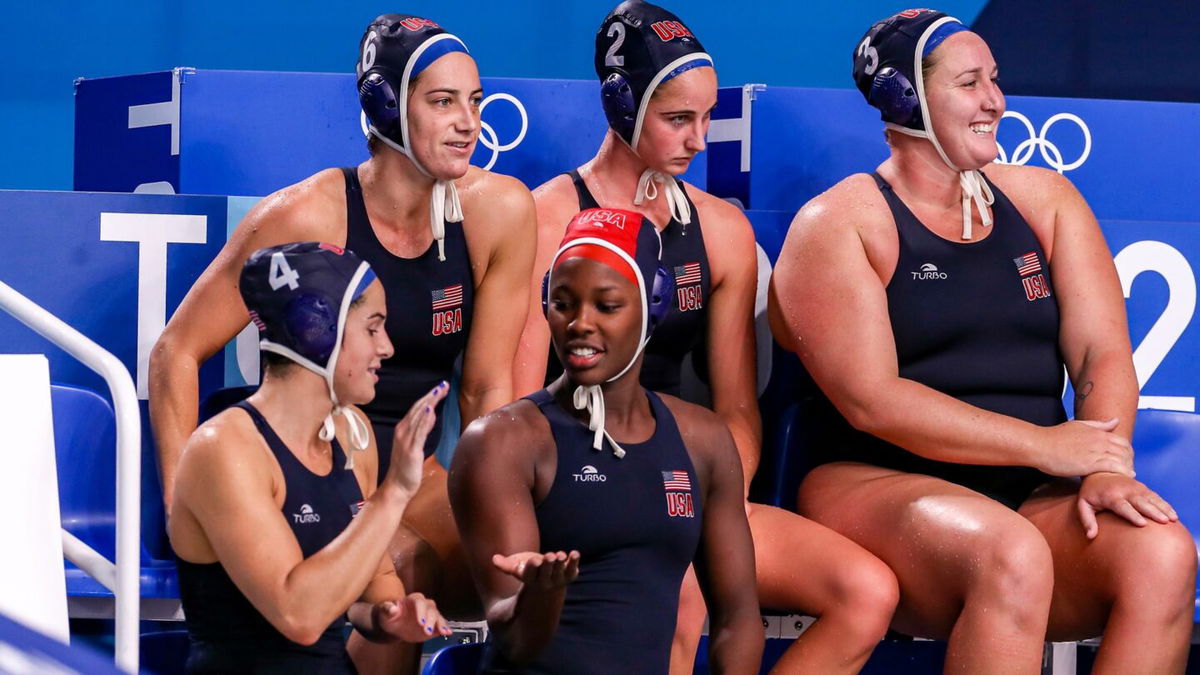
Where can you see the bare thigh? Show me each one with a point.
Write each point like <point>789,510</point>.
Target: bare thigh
<point>936,536</point>
<point>1091,575</point>
<point>805,566</point>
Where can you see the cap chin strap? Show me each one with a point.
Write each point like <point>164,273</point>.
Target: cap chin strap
<point>444,204</point>
<point>647,188</point>
<point>358,428</point>
<point>591,398</point>
<point>975,189</point>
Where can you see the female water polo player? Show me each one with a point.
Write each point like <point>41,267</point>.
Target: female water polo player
<point>452,245</point>
<point>658,89</point>
<point>936,303</point>
<point>582,505</point>
<point>279,529</point>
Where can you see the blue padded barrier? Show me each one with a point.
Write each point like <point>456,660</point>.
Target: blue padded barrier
<point>462,659</point>
<point>85,445</point>
<point>1167,459</point>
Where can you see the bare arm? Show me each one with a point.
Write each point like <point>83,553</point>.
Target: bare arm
<point>555,206</point>
<point>494,465</point>
<point>212,313</point>
<point>725,558</point>
<point>225,484</point>
<point>829,305</point>
<point>729,241</point>
<point>500,299</point>
<point>1093,332</point>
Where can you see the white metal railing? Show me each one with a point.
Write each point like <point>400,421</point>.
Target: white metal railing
<point>121,579</point>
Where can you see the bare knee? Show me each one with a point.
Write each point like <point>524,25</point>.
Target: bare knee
<point>862,597</point>
<point>1013,572</point>
<point>1159,572</point>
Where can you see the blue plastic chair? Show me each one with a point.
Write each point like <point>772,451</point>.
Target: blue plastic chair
<point>85,441</point>
<point>461,659</point>
<point>1167,459</point>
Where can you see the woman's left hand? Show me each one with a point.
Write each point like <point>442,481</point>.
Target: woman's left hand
<point>414,618</point>
<point>1122,495</point>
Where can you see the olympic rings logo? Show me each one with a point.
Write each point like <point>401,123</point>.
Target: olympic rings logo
<point>487,133</point>
<point>1038,141</point>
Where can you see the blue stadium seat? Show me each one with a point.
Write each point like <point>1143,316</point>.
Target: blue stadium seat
<point>461,659</point>
<point>85,443</point>
<point>1168,460</point>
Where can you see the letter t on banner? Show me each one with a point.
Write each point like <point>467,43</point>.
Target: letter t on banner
<point>152,232</point>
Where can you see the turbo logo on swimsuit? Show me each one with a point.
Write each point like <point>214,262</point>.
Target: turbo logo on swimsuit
<point>306,516</point>
<point>929,272</point>
<point>589,474</point>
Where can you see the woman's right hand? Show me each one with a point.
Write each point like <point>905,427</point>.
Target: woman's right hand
<point>408,440</point>
<point>540,571</point>
<point>1084,447</point>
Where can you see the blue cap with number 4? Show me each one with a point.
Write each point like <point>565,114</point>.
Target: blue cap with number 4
<point>298,295</point>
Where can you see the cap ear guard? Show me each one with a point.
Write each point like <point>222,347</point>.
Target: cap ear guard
<point>895,97</point>
<point>311,323</point>
<point>662,294</point>
<point>378,99</point>
<point>616,97</point>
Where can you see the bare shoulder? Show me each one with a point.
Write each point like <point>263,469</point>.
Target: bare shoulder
<point>495,207</point>
<point>850,197</point>
<point>700,427</point>
<point>487,190</point>
<point>510,431</point>
<point>717,214</point>
<point>556,202</point>
<point>313,209</point>
<point>223,446</point>
<point>1022,183</point>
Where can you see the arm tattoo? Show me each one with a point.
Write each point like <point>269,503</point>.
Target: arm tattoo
<point>1081,395</point>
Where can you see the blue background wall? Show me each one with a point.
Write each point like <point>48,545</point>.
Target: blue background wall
<point>44,46</point>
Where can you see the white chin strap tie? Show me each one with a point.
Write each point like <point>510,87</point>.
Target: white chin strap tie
<point>975,190</point>
<point>358,429</point>
<point>647,188</point>
<point>591,398</point>
<point>444,204</point>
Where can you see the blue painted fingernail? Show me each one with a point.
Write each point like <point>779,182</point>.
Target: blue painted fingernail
<point>429,630</point>
<point>422,621</point>
<point>428,409</point>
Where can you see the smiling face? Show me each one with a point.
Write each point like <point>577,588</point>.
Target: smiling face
<point>365,345</point>
<point>595,316</point>
<point>676,120</point>
<point>965,101</point>
<point>443,115</point>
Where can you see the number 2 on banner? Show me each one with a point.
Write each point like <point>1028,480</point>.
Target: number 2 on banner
<point>281,273</point>
<point>1156,256</point>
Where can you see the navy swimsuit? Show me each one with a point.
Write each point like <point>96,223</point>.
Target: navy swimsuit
<point>227,634</point>
<point>977,321</point>
<point>429,306</point>
<point>636,523</point>
<point>685,326</point>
